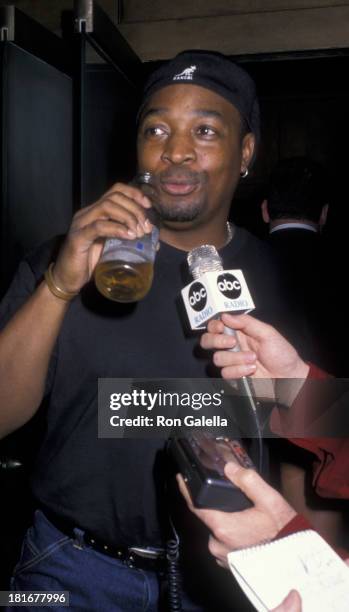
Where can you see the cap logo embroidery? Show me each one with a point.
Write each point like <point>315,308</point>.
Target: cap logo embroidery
<point>185,75</point>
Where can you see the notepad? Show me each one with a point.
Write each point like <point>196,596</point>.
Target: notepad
<point>301,561</point>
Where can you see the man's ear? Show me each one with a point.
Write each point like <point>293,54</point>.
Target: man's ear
<point>265,212</point>
<point>248,149</point>
<point>323,216</point>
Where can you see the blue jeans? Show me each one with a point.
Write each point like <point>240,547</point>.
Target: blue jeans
<point>52,561</point>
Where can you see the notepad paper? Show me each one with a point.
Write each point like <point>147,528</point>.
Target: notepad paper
<point>301,561</point>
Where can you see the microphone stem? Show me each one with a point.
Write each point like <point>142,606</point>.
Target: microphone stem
<point>245,381</point>
<point>246,387</point>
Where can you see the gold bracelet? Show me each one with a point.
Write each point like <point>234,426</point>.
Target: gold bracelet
<point>57,291</point>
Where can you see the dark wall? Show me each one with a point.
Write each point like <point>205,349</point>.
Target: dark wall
<point>37,172</point>
<point>38,169</point>
<point>110,124</point>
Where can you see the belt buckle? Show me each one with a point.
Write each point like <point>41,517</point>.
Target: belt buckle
<point>146,553</point>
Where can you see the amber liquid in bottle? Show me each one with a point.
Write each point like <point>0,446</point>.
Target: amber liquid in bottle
<point>124,281</point>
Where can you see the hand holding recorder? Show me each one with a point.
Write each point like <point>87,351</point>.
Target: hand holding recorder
<point>229,531</point>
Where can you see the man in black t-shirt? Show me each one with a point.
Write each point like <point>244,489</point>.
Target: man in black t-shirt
<point>97,498</point>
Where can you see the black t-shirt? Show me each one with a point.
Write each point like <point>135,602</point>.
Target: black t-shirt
<point>111,487</point>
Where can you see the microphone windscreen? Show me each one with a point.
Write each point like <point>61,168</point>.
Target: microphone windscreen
<point>204,259</point>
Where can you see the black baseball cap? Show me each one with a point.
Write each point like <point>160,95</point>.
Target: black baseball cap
<point>212,71</point>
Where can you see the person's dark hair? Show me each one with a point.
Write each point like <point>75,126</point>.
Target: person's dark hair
<point>298,189</point>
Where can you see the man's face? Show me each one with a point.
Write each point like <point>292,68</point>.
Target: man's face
<point>190,138</point>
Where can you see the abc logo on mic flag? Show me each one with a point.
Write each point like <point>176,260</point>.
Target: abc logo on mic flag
<point>214,293</point>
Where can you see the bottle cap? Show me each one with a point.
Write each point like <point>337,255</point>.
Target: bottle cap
<point>147,181</point>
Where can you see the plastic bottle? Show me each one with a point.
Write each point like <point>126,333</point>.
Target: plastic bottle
<point>125,270</point>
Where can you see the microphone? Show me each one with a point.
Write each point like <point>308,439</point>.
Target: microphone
<point>202,260</point>
<point>201,456</point>
<point>214,291</point>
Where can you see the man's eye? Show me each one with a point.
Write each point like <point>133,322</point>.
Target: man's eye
<point>154,130</point>
<point>206,130</point>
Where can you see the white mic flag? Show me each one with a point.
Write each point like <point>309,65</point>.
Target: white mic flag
<point>214,289</point>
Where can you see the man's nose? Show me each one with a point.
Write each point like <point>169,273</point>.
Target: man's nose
<point>178,149</point>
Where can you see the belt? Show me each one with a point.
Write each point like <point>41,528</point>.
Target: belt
<point>147,558</point>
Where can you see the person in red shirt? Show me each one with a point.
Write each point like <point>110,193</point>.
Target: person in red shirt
<point>266,354</point>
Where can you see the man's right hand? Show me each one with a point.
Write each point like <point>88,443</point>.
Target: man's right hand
<point>24,353</point>
<point>120,213</point>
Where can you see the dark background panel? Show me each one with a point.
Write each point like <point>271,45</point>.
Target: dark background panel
<point>37,149</point>
<point>110,130</point>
